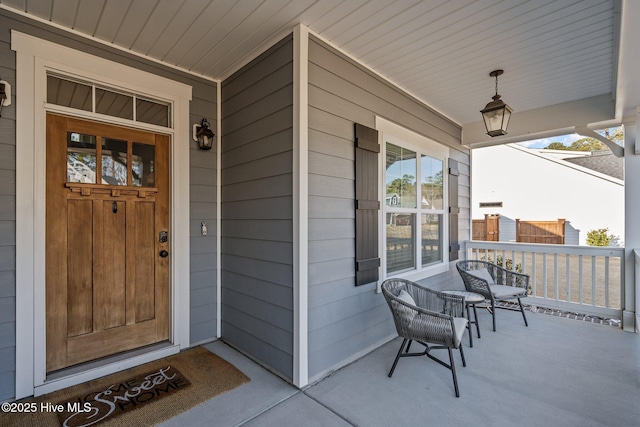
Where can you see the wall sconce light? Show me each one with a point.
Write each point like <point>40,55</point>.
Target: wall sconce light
<point>203,134</point>
<point>496,114</point>
<point>5,95</point>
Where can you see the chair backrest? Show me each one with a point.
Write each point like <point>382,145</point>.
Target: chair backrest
<point>402,314</point>
<point>432,320</point>
<point>470,277</point>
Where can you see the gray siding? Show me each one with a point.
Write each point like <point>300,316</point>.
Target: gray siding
<point>344,319</point>
<point>7,222</point>
<point>202,192</point>
<point>257,211</point>
<point>203,204</point>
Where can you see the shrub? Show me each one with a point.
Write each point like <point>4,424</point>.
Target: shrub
<point>599,237</point>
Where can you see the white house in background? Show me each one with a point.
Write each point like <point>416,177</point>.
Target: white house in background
<point>538,185</point>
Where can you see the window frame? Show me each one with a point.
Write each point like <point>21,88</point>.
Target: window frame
<point>389,132</point>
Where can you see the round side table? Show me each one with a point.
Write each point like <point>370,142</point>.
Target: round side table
<point>470,300</point>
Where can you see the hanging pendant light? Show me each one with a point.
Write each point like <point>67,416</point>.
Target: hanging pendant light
<point>496,114</point>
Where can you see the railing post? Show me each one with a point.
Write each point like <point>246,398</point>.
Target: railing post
<point>630,303</point>
<point>629,321</point>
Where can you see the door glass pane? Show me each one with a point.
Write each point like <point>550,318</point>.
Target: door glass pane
<point>114,162</point>
<point>431,182</point>
<point>431,239</point>
<point>400,241</point>
<point>81,158</point>
<point>68,93</point>
<point>152,112</point>
<point>142,165</point>
<point>114,104</point>
<point>400,177</point>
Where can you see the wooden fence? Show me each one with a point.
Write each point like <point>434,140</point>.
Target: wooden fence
<point>547,232</point>
<point>487,229</point>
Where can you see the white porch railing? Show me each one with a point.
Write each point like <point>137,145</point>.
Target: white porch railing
<point>581,279</point>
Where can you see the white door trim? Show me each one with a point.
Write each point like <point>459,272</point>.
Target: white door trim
<point>34,57</point>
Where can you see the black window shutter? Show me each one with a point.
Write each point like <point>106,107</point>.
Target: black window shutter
<point>366,204</point>
<point>454,210</point>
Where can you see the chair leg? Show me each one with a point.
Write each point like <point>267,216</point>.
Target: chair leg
<point>464,362</point>
<point>395,362</point>
<point>453,372</point>
<point>522,311</point>
<point>469,326</point>
<point>493,313</point>
<point>408,346</point>
<point>475,314</point>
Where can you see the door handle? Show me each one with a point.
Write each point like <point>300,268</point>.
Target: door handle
<point>164,253</point>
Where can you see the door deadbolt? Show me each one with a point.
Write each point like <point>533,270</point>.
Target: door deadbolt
<point>164,237</point>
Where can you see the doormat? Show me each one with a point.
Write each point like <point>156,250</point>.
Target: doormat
<point>143,395</point>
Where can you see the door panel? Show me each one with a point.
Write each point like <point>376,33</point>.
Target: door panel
<point>80,268</point>
<point>107,286</point>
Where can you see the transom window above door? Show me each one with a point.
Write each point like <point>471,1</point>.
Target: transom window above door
<point>85,96</point>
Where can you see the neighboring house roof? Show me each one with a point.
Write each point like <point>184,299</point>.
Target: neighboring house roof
<point>601,161</point>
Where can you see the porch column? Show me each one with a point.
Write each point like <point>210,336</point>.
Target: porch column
<point>630,318</point>
<point>300,205</point>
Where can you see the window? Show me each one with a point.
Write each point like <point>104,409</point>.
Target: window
<point>79,95</point>
<point>415,227</point>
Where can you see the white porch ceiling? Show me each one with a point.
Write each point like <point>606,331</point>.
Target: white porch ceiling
<point>554,52</point>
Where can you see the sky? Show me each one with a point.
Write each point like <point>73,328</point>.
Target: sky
<point>564,139</point>
<point>541,143</point>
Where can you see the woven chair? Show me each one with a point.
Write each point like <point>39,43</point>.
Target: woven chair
<point>426,316</point>
<point>495,284</point>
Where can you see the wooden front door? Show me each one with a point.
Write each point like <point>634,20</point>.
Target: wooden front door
<point>107,240</point>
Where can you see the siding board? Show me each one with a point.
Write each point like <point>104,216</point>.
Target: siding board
<point>273,186</point>
<point>257,169</point>
<point>254,73</point>
<point>276,122</point>
<point>328,250</point>
<point>331,166</point>
<point>279,361</point>
<point>279,252</point>
<point>274,230</point>
<point>331,186</point>
<point>272,293</point>
<point>260,109</point>
<point>268,146</point>
<point>267,318</point>
<point>279,79</point>
<point>331,145</point>
<point>7,285</point>
<point>331,228</point>
<point>258,269</point>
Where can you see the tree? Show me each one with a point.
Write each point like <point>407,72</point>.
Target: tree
<point>403,187</point>
<point>590,144</point>
<point>599,237</point>
<point>556,146</point>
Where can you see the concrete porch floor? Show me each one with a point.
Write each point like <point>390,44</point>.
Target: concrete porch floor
<point>558,371</point>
